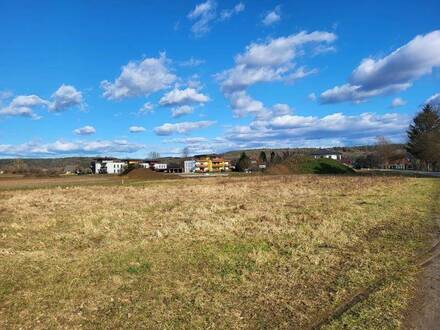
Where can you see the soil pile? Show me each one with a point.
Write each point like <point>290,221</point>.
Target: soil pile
<point>147,174</point>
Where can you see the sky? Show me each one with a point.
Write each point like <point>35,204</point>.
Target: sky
<point>126,78</point>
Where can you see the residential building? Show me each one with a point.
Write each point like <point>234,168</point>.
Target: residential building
<point>115,167</point>
<point>160,167</point>
<point>189,166</point>
<point>108,166</point>
<point>325,153</point>
<point>210,163</point>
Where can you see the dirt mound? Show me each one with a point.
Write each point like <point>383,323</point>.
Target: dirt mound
<point>147,174</point>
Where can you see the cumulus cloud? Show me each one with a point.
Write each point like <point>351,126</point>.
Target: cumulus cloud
<point>178,97</point>
<point>202,145</point>
<point>136,129</point>
<point>86,130</point>
<point>268,61</point>
<point>24,105</point>
<point>397,102</point>
<point>434,100</point>
<point>184,127</point>
<point>61,147</point>
<point>66,97</point>
<point>392,73</point>
<point>302,130</point>
<point>146,108</point>
<point>204,15</point>
<point>243,104</point>
<point>281,109</point>
<point>181,111</point>
<point>140,79</point>
<point>272,16</point>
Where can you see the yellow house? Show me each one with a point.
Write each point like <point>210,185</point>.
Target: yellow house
<point>205,164</point>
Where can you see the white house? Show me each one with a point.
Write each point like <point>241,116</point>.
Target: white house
<point>325,153</point>
<point>189,166</point>
<point>115,167</point>
<point>160,167</point>
<point>144,165</point>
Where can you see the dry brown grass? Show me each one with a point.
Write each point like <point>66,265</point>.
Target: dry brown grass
<point>241,252</point>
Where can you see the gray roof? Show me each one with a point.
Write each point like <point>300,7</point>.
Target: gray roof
<point>323,152</point>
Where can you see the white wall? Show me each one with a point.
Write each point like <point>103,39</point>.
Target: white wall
<point>115,167</point>
<point>160,166</point>
<point>189,166</point>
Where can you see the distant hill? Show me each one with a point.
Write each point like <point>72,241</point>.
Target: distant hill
<point>348,152</point>
<point>51,164</point>
<point>58,164</point>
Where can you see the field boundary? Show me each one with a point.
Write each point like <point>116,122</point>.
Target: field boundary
<point>362,294</point>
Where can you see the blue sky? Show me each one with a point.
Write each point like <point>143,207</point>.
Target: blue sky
<point>125,79</point>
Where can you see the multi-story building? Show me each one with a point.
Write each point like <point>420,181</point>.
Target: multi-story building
<point>210,163</point>
<point>189,166</point>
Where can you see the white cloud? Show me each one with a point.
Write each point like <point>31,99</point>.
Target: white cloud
<point>146,108</point>
<point>140,79</point>
<point>66,97</point>
<point>281,109</point>
<point>23,105</point>
<point>5,95</point>
<point>397,102</point>
<point>272,16</point>
<point>323,49</point>
<point>181,111</point>
<point>186,96</point>
<point>136,129</point>
<point>290,121</point>
<point>312,97</point>
<point>62,147</point>
<point>202,15</point>
<point>269,61</point>
<point>228,13</point>
<point>86,130</point>
<point>184,127</point>
<point>192,62</point>
<point>295,130</point>
<point>242,104</point>
<point>392,73</point>
<point>434,100</point>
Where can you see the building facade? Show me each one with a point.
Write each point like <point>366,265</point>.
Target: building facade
<point>189,166</point>
<point>324,153</point>
<point>207,164</point>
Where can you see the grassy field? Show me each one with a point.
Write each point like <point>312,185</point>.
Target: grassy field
<point>230,253</point>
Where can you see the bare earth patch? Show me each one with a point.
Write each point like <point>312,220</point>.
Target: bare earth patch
<point>239,252</point>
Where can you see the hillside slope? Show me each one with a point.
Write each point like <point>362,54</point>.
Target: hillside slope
<point>307,165</point>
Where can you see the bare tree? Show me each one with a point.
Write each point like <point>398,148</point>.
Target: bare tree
<point>384,150</point>
<point>154,155</point>
<point>185,152</point>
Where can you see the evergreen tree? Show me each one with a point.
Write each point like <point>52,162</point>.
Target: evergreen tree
<point>243,163</point>
<point>272,156</point>
<point>263,157</point>
<point>424,136</point>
